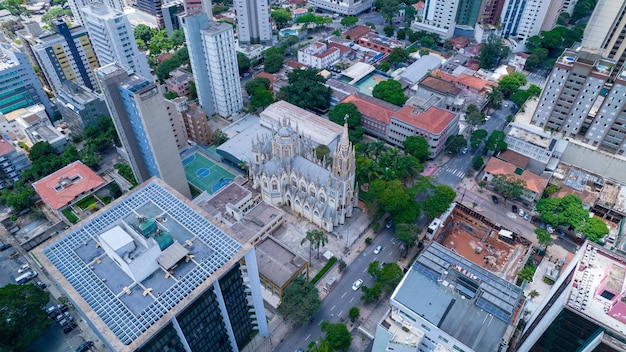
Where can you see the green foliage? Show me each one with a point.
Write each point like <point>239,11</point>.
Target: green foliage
<point>217,9</point>
<point>477,162</point>
<point>550,190</point>
<point>261,98</point>
<point>393,198</point>
<point>519,98</point>
<point>316,238</point>
<point>84,203</point>
<point>418,147</point>
<point>281,18</point>
<point>324,270</point>
<point>388,9</point>
<point>22,318</point>
<point>258,82</point>
<point>311,18</point>
<point>143,32</point>
<point>218,137</point>
<point>337,335</point>
<point>126,172</point>
<point>527,273</point>
<point>595,229</point>
<point>387,278</point>
<point>183,55</point>
<point>354,313</point>
<point>349,21</point>
<point>389,30</point>
<point>408,233</point>
<point>300,300</point>
<point>53,13</point>
<point>171,95</point>
<point>401,34</point>
<point>439,201</point>
<point>492,51</point>
<point>567,211</point>
<point>473,116</point>
<point>337,115</point>
<point>16,7</point>
<point>193,92</point>
<point>397,55</point>
<point>543,237</point>
<point>534,90</point>
<point>167,66</point>
<point>243,63</point>
<point>390,91</point>
<point>306,89</point>
<point>510,83</point>
<point>477,137</point>
<point>19,197</point>
<point>582,9</point>
<point>495,142</point>
<point>385,66</point>
<point>321,345</point>
<point>69,214</point>
<point>494,97</point>
<point>508,186</point>
<point>322,151</point>
<point>274,58</point>
<point>455,143</point>
<point>178,37</point>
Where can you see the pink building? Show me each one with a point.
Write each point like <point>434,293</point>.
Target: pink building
<point>179,82</point>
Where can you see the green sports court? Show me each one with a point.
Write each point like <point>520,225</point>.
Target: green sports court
<point>205,174</point>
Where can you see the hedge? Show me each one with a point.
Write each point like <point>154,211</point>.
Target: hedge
<point>324,270</point>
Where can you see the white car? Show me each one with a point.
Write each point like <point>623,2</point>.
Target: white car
<point>378,249</point>
<point>488,117</point>
<point>23,268</point>
<point>357,284</point>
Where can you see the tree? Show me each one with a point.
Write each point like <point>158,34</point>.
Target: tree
<point>218,137</point>
<point>534,90</point>
<point>371,295</point>
<point>337,335</point>
<point>243,63</point>
<point>477,162</point>
<point>385,66</point>
<point>389,30</point>
<point>519,98</point>
<point>316,238</point>
<point>54,13</point>
<point>281,18</point>
<point>261,98</point>
<point>438,202</point>
<point>417,146</point>
<point>510,83</point>
<point>569,211</point>
<point>273,59</point>
<point>389,9</point>
<point>143,32</point>
<point>193,91</point>
<point>401,34</point>
<point>494,97</point>
<point>397,55</point>
<point>338,115</point>
<point>495,142</point>
<point>389,276</point>
<point>508,186</point>
<point>390,91</point>
<point>594,229</point>
<point>349,21</point>
<point>167,66</point>
<point>171,95</point>
<point>257,82</point>
<point>408,233</point>
<point>477,137</point>
<point>22,318</point>
<point>300,300</point>
<point>492,51</point>
<point>527,273</point>
<point>306,89</point>
<point>321,345</point>
<point>322,151</point>
<point>543,237</point>
<point>354,313</point>
<point>455,143</point>
<point>473,116</point>
<point>178,37</point>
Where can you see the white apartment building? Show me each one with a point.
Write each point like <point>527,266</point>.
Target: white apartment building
<point>439,17</point>
<point>318,55</point>
<point>522,19</point>
<point>77,6</point>
<point>345,7</point>
<point>113,40</point>
<point>253,21</point>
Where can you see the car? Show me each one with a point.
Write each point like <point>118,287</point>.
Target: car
<point>378,249</point>
<point>550,229</point>
<point>5,246</point>
<point>32,274</point>
<point>514,209</point>
<point>488,117</point>
<point>464,151</point>
<point>521,212</point>
<point>14,254</point>
<point>40,284</point>
<point>23,268</point>
<point>85,347</point>
<point>533,219</point>
<point>506,105</point>
<point>67,329</point>
<point>388,225</point>
<point>357,284</point>
<point>494,199</point>
<point>526,216</point>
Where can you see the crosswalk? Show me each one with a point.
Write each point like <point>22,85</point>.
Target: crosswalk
<point>456,172</point>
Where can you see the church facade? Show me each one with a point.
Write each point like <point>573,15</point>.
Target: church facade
<point>286,171</point>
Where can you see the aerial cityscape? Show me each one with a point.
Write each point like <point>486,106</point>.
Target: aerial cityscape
<point>313,175</point>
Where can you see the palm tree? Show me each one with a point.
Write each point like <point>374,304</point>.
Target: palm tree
<point>494,97</point>
<point>320,240</point>
<point>310,237</point>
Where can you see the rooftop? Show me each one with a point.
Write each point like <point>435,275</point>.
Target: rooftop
<point>77,93</point>
<point>464,300</point>
<point>439,85</point>
<point>420,68</point>
<point>277,262</point>
<point>5,147</point>
<point>514,158</point>
<point>64,186</point>
<point>7,56</point>
<point>132,297</point>
<point>530,134</point>
<point>372,107</point>
<point>533,181</point>
<point>253,223</point>
<point>433,120</point>
<point>356,32</point>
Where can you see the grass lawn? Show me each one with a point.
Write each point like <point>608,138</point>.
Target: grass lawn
<point>84,203</point>
<point>69,214</point>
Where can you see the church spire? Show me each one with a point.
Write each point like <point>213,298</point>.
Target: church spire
<point>344,145</point>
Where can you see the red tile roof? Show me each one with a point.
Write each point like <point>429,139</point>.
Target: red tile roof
<point>342,48</point>
<point>514,158</point>
<point>57,189</point>
<point>356,32</point>
<point>294,64</point>
<point>465,80</point>
<point>534,182</point>
<point>5,147</point>
<point>433,120</point>
<point>419,5</point>
<point>269,76</point>
<point>370,108</point>
<point>330,51</point>
<point>440,85</point>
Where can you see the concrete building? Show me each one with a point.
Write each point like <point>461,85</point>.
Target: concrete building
<point>543,150</point>
<point>461,307</point>
<point>253,21</point>
<point>587,295</point>
<point>449,94</point>
<point>375,113</point>
<point>279,265</point>
<point>172,11</point>
<point>606,31</point>
<point>174,109</point>
<point>77,6</point>
<point>79,106</point>
<point>522,19</point>
<point>213,59</point>
<point>318,55</point>
<point>191,122</point>
<point>535,184</point>
<point>19,85</point>
<point>112,38</point>
<point>434,124</point>
<point>143,125</point>
<point>66,55</point>
<point>36,126</point>
<point>150,272</point>
<point>345,8</point>
<point>439,17</point>
<point>12,162</point>
<point>179,82</point>
<point>151,7</point>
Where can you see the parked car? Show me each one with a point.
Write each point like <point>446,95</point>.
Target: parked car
<point>23,268</point>
<point>464,151</point>
<point>14,254</point>
<point>521,212</point>
<point>488,117</point>
<point>5,246</point>
<point>40,284</point>
<point>526,216</point>
<point>357,284</point>
<point>494,199</point>
<point>550,229</point>
<point>514,208</point>
<point>87,347</point>
<point>378,249</point>
<point>388,225</point>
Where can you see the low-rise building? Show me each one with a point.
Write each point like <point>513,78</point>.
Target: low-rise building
<point>420,69</point>
<point>346,8</point>
<point>179,82</point>
<point>355,33</point>
<point>318,55</point>
<point>449,94</point>
<point>375,113</point>
<point>278,267</point>
<point>544,150</point>
<point>535,184</point>
<point>379,43</point>
<point>38,128</point>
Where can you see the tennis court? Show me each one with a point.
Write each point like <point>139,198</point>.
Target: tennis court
<point>204,174</point>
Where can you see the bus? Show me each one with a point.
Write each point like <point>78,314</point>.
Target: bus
<point>24,278</point>
<point>432,228</point>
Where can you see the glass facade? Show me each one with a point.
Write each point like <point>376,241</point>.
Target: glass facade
<point>236,303</point>
<point>166,340</point>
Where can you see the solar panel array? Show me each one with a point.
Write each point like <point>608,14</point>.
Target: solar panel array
<point>118,317</point>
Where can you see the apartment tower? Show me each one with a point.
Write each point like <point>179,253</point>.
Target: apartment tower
<point>606,30</point>
<point>77,7</point>
<point>143,125</point>
<point>253,21</point>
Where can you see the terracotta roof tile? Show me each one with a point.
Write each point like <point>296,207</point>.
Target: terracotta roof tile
<point>419,5</point>
<point>58,189</point>
<point>342,48</point>
<point>5,147</point>
<point>357,32</point>
<point>369,107</point>
<point>534,182</point>
<point>440,85</point>
<point>294,64</point>
<point>433,120</point>
<point>514,158</point>
<point>269,76</point>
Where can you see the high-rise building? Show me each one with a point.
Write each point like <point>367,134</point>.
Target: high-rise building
<point>253,21</point>
<point>13,160</point>
<point>194,121</point>
<point>113,40</point>
<point>142,123</point>
<point>584,310</point>
<point>171,15</point>
<point>523,19</point>
<point>606,30</point>
<point>152,7</point>
<point>19,85</point>
<point>346,8</point>
<point>467,12</point>
<point>67,55</point>
<point>439,17</point>
<point>213,61</point>
<point>490,12</point>
<point>150,272</point>
<point>79,106</point>
<point>77,6</point>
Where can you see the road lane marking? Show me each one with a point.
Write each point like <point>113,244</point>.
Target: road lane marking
<point>331,309</point>
<point>345,293</point>
<point>308,337</point>
<point>351,299</point>
<point>340,313</point>
<point>320,323</point>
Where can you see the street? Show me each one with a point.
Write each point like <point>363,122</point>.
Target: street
<point>335,306</point>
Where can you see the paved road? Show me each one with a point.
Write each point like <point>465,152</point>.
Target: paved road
<point>336,305</point>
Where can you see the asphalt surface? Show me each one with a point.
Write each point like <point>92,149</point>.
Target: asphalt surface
<point>338,302</point>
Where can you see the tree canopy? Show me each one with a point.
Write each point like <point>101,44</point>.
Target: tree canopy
<point>273,59</point>
<point>388,9</point>
<point>492,51</point>
<point>495,142</point>
<point>390,91</point>
<point>306,89</point>
<point>508,186</point>
<point>22,318</point>
<point>569,211</point>
<point>418,147</point>
<point>252,85</point>
<point>337,115</point>
<point>478,137</point>
<point>510,83</point>
<point>349,21</point>
<point>408,233</point>
<point>243,63</point>
<point>337,335</point>
<point>397,55</point>
<point>455,143</point>
<point>387,277</point>
<point>300,301</point>
<point>439,201</point>
<point>473,116</point>
<point>281,18</point>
